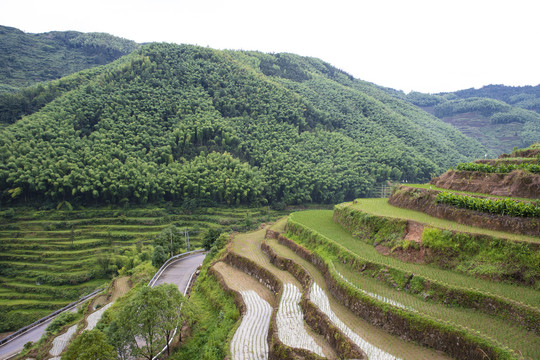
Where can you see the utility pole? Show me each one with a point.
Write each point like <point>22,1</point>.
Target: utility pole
<point>186,238</point>
<point>171,243</point>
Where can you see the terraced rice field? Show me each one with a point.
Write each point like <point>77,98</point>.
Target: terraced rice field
<point>250,339</point>
<point>523,342</point>
<point>50,258</point>
<point>249,245</point>
<point>433,187</point>
<point>373,335</point>
<point>319,298</point>
<point>381,207</point>
<point>290,322</point>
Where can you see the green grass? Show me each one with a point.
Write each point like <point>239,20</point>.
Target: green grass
<point>381,207</point>
<point>432,187</point>
<point>322,222</point>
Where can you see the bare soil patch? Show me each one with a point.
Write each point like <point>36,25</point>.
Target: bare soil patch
<point>518,183</point>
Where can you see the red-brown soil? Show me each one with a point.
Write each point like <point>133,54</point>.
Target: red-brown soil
<point>518,183</point>
<point>525,153</point>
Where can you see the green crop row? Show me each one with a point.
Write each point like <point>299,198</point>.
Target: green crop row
<point>533,168</point>
<point>492,206</point>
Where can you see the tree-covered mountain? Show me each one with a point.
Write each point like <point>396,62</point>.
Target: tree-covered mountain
<point>195,125</point>
<point>27,59</point>
<point>500,117</point>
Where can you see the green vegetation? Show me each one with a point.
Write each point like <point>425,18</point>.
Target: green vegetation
<point>50,258</point>
<point>492,206</point>
<point>322,222</point>
<point>380,207</point>
<point>526,97</point>
<point>483,256</point>
<point>484,106</point>
<point>500,117</point>
<point>433,187</point>
<point>210,313</point>
<point>27,59</point>
<point>90,345</point>
<point>478,255</point>
<point>151,316</point>
<point>431,300</point>
<point>533,168</point>
<point>198,126</point>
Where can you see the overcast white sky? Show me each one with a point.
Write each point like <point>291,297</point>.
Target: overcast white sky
<point>421,45</point>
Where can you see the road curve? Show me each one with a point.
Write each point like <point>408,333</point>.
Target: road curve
<point>178,272</point>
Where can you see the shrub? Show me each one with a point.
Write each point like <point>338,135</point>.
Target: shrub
<point>61,320</point>
<point>493,206</point>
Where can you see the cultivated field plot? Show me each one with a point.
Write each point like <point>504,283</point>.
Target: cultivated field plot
<point>319,298</point>
<point>380,207</point>
<point>499,331</point>
<point>250,339</point>
<point>373,335</point>
<point>290,321</point>
<point>50,258</point>
<point>249,245</point>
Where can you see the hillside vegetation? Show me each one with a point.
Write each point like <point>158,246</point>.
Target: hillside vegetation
<point>500,117</point>
<point>27,59</point>
<point>185,123</point>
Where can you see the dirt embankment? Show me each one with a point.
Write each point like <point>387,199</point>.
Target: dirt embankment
<point>425,200</point>
<point>530,153</point>
<point>518,183</point>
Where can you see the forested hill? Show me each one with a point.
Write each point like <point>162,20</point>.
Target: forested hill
<point>27,59</point>
<point>500,117</point>
<point>195,125</point>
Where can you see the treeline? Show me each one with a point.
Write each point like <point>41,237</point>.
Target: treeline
<point>179,123</point>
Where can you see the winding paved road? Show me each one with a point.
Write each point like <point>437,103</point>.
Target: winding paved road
<point>178,272</point>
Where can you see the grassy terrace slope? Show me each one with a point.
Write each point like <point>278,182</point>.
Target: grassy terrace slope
<point>50,258</point>
<point>380,207</point>
<point>490,327</point>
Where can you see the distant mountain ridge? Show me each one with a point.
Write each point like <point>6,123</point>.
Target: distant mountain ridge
<point>188,124</point>
<point>500,117</point>
<point>27,58</point>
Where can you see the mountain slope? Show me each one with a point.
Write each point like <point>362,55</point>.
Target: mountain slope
<point>500,117</point>
<point>27,59</point>
<point>185,123</point>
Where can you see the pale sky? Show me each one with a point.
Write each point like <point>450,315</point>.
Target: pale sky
<point>422,45</point>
